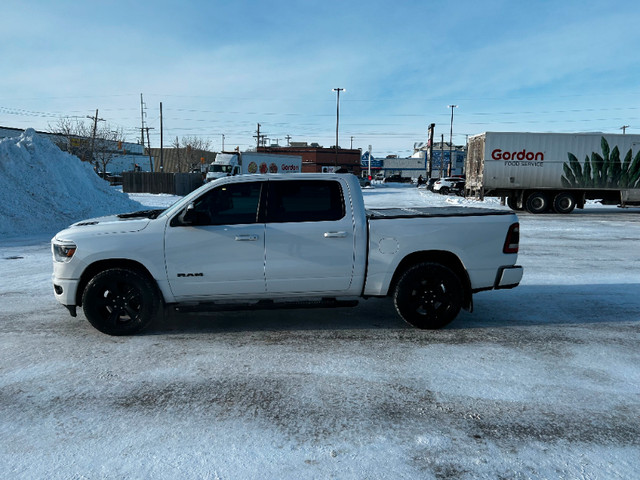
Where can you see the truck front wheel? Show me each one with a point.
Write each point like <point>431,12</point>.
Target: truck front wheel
<point>428,295</point>
<point>512,202</point>
<point>120,301</point>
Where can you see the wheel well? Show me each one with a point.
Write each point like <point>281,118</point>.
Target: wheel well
<point>441,257</point>
<point>97,267</point>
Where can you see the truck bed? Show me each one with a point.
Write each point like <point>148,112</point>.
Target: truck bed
<point>415,212</point>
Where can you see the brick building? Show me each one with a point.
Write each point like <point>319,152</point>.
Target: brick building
<point>319,159</point>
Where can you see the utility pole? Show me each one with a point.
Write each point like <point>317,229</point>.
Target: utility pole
<point>352,142</point>
<point>161,146</point>
<point>288,137</point>
<point>441,153</point>
<point>95,130</point>
<point>222,143</point>
<point>337,90</point>
<point>142,118</point>
<point>149,149</point>
<point>624,129</point>
<point>451,140</point>
<point>429,155</point>
<point>257,136</point>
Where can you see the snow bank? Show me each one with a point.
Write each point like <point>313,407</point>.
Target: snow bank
<point>43,189</point>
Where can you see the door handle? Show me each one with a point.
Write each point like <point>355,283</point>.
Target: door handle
<point>335,234</point>
<point>246,238</point>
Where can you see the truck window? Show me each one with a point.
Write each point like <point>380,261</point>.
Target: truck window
<point>220,168</point>
<point>230,204</point>
<point>305,201</point>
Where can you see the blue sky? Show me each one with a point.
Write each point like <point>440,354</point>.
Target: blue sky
<point>222,67</point>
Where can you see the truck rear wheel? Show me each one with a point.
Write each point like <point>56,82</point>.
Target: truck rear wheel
<point>564,202</point>
<point>428,295</point>
<point>537,202</point>
<point>120,301</point>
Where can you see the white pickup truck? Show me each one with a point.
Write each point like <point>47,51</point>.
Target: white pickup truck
<point>282,241</point>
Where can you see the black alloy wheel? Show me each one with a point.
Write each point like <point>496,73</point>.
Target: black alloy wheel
<point>120,301</point>
<point>428,295</point>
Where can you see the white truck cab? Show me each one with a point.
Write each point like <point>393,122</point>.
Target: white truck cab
<point>249,163</point>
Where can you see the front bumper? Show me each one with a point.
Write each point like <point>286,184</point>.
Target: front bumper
<point>65,291</point>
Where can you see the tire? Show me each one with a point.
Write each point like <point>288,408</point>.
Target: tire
<point>120,301</point>
<point>512,203</point>
<point>537,202</point>
<point>444,191</point>
<point>428,296</point>
<point>564,202</point>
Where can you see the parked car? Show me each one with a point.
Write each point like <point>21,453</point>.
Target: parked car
<point>292,240</point>
<point>448,185</point>
<point>364,182</point>
<point>397,178</point>
<point>431,182</point>
<point>458,187</point>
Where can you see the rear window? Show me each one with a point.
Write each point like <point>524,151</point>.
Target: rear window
<point>305,201</point>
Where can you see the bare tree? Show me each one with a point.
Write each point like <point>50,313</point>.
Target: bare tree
<point>73,136</point>
<point>77,137</point>
<point>194,147</point>
<point>176,145</point>
<point>188,152</point>
<point>107,144</point>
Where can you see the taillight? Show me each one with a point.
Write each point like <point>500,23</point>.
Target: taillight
<point>513,239</point>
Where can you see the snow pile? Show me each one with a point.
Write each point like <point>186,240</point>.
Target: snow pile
<point>43,189</point>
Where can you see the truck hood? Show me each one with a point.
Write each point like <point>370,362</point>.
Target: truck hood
<point>123,223</point>
<point>113,223</point>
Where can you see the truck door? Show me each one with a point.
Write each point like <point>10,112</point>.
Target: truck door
<point>220,249</point>
<point>309,237</point>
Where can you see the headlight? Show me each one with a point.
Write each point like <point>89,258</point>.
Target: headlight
<point>63,252</point>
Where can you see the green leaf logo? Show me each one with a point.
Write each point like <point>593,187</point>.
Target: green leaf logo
<point>602,171</point>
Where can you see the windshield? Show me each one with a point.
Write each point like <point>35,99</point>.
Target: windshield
<point>220,168</point>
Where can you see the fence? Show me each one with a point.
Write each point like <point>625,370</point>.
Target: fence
<point>160,182</point>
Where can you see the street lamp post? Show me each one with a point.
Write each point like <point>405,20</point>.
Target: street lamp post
<point>222,142</point>
<point>451,139</point>
<point>337,90</point>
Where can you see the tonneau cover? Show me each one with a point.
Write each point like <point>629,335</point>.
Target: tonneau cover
<point>453,211</point>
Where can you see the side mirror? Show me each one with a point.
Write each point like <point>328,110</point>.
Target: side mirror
<point>190,215</point>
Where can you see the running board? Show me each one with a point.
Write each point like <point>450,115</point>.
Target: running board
<point>263,305</point>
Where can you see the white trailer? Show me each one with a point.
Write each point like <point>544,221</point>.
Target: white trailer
<point>236,163</point>
<point>554,171</point>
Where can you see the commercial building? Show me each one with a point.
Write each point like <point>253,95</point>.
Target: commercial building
<point>318,159</point>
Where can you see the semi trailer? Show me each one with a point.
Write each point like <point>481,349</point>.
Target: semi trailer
<point>558,172</point>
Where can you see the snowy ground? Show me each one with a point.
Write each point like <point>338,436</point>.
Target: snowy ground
<point>539,382</point>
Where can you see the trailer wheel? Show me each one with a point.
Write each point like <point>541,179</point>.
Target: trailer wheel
<point>564,202</point>
<point>512,202</point>
<point>537,202</point>
<point>428,295</point>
